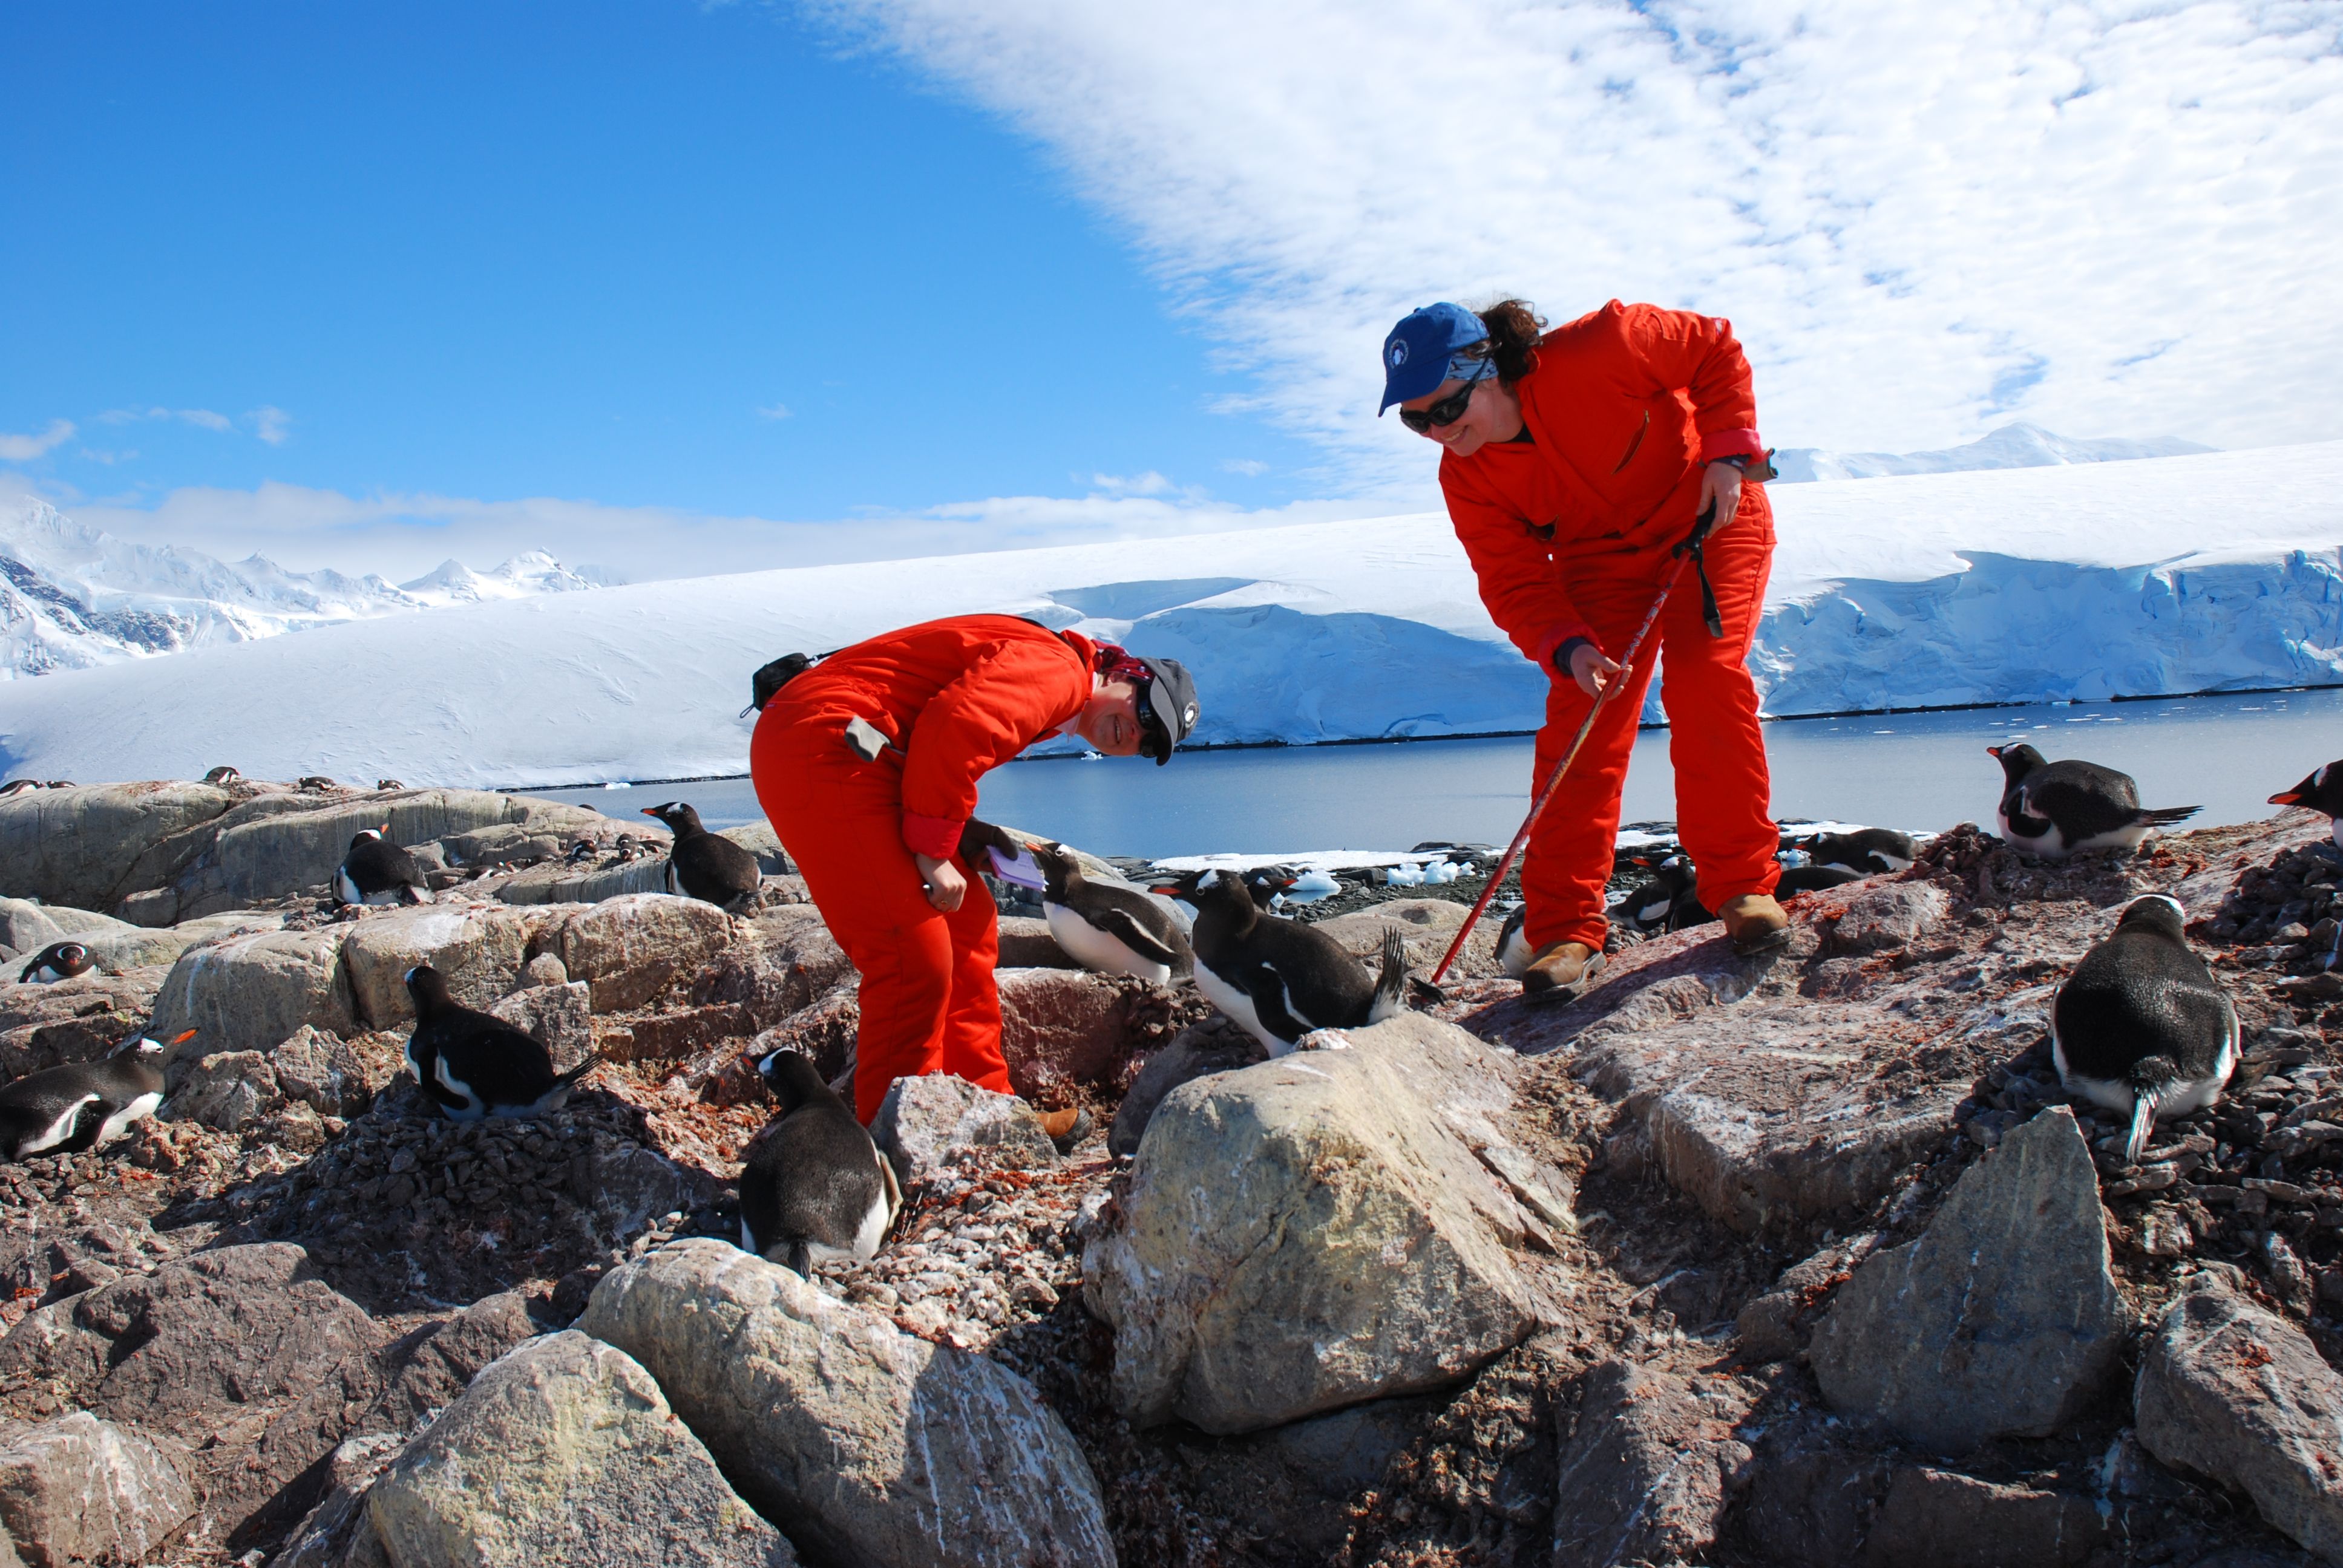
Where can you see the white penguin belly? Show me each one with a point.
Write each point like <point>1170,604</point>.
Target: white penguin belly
<point>473,1109</point>
<point>1238,1006</point>
<point>56,1131</point>
<point>2050,847</point>
<point>1515,957</point>
<point>345,889</point>
<point>2120,839</point>
<point>116,1125</point>
<point>1095,950</point>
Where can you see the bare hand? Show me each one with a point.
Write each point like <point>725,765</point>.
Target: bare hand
<point>1591,670</point>
<point>1720,486</point>
<point>945,886</point>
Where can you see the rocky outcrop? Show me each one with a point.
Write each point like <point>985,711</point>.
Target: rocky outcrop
<point>1649,1471</point>
<point>28,925</point>
<point>565,1451</point>
<point>631,948</point>
<point>559,1018</point>
<point>82,845</point>
<point>1194,1054</point>
<point>79,1019</point>
<point>1315,1231</point>
<point>253,992</point>
<point>81,1489</point>
<point>479,947</point>
<point>1936,1519</point>
<point>873,1446</point>
<point>2233,1392</point>
<point>2001,1320</point>
<point>934,1124</point>
<point>339,1523</point>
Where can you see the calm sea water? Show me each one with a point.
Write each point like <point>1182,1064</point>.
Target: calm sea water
<point>1911,770</point>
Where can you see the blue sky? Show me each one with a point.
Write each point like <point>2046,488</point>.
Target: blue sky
<point>367,288</point>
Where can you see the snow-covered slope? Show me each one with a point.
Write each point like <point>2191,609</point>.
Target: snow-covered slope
<point>2014,445</point>
<point>2175,574</point>
<point>72,597</point>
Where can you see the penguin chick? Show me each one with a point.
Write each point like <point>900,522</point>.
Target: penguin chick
<point>2053,810</point>
<point>58,960</point>
<point>815,1188</point>
<point>85,1105</point>
<point>377,872</point>
<point>703,865</point>
<point>2141,1027</point>
<point>1107,927</point>
<point>1281,979</point>
<point>474,1065</point>
<point>2321,791</point>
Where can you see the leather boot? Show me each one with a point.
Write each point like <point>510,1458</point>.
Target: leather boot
<point>1561,971</point>
<point>1066,1128</point>
<point>1754,924</point>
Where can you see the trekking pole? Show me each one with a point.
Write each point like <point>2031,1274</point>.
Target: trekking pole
<point>1537,807</point>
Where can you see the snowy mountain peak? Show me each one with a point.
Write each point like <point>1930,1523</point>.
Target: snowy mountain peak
<point>532,572</point>
<point>2017,444</point>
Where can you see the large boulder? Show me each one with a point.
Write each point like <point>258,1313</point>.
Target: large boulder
<point>1195,1053</point>
<point>2002,1320</point>
<point>336,1533</point>
<point>79,1489</point>
<point>565,1451</point>
<point>81,845</point>
<point>630,949</point>
<point>29,926</point>
<point>479,947</point>
<point>873,1445</point>
<point>2233,1392</point>
<point>1937,1519</point>
<point>251,992</point>
<point>79,1019</point>
<point>559,1018</point>
<point>1061,1026</point>
<point>560,883</point>
<point>935,1123</point>
<point>1647,1469</point>
<point>1315,1231</point>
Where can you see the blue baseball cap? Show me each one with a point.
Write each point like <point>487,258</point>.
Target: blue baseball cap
<point>1417,352</point>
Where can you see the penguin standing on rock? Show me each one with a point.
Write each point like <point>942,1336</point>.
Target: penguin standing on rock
<point>377,872</point>
<point>474,1065</point>
<point>1110,928</point>
<point>2322,791</point>
<point>87,1105</point>
<point>58,960</point>
<point>815,1188</point>
<point>703,865</point>
<point>2141,1027</point>
<point>2055,810</point>
<point>1281,979</point>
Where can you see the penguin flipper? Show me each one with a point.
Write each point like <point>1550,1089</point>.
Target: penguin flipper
<point>1267,990</point>
<point>1124,928</point>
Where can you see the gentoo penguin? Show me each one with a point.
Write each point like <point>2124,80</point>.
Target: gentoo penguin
<point>703,865</point>
<point>1670,901</point>
<point>65,1110</point>
<point>1867,851</point>
<point>1796,880</point>
<point>18,786</point>
<point>474,1065</point>
<point>815,1188</point>
<point>388,784</point>
<point>58,960</point>
<point>581,851</point>
<point>2322,791</point>
<point>2058,809</point>
<point>222,775</point>
<point>1513,951</point>
<point>315,781</point>
<point>2141,1027</point>
<point>377,872</point>
<point>1113,928</point>
<point>1281,979</point>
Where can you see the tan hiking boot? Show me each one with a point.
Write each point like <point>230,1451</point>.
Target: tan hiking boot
<point>1754,924</point>
<point>1561,971</point>
<point>1066,1128</point>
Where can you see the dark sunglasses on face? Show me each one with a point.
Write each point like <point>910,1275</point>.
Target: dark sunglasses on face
<point>1445,412</point>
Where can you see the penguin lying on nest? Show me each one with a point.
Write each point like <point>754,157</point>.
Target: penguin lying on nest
<point>58,960</point>
<point>815,1188</point>
<point>1867,851</point>
<point>703,865</point>
<point>377,872</point>
<point>1281,979</point>
<point>2321,791</point>
<point>2058,809</point>
<point>2141,1027</point>
<point>475,1065</point>
<point>1106,926</point>
<point>87,1105</point>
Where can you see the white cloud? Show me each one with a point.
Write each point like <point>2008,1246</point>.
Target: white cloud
<point>272,425</point>
<point>1251,467</point>
<point>2115,218</point>
<point>200,417</point>
<point>777,411</point>
<point>1148,483</point>
<point>25,448</point>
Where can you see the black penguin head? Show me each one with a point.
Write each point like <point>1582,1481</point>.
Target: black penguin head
<point>2156,914</point>
<point>679,818</point>
<point>1059,868</point>
<point>146,1047</point>
<point>69,959</point>
<point>428,988</point>
<point>1264,883</point>
<point>2315,793</point>
<point>364,834</point>
<point>793,1077</point>
<point>2016,761</point>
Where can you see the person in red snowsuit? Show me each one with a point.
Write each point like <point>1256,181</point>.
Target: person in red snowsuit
<point>1574,461</point>
<point>867,765</point>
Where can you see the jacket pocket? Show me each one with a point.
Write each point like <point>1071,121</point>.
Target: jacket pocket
<point>1636,443</point>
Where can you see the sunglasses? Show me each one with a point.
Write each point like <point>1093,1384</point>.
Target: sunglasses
<point>1445,412</point>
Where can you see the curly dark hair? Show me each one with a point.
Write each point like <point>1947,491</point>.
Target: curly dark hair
<point>1515,330</point>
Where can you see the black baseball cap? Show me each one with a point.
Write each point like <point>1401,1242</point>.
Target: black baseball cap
<point>1167,708</point>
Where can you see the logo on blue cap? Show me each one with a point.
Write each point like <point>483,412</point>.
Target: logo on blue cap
<point>1429,337</point>
<point>1398,353</point>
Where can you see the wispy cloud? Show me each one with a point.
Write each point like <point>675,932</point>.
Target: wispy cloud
<point>777,411</point>
<point>202,417</point>
<point>2113,219</point>
<point>1251,467</point>
<point>272,425</point>
<point>25,448</point>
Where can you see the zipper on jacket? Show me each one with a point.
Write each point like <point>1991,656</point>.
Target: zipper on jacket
<point>1637,442</point>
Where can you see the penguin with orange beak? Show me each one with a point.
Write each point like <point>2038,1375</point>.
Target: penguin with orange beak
<point>2321,791</point>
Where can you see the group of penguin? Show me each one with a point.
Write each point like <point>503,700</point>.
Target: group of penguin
<point>699,865</point>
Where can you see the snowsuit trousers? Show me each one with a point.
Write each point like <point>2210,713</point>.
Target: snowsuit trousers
<point>929,1001</point>
<point>1724,795</point>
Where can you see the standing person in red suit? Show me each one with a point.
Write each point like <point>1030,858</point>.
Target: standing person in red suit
<point>1574,462</point>
<point>867,764</point>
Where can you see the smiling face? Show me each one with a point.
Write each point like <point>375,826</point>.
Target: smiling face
<point>1110,719</point>
<point>1494,414</point>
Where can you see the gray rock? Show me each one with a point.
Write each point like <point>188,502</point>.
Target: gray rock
<point>559,1018</point>
<point>324,1072</point>
<point>431,1375</point>
<point>1814,1505</point>
<point>2001,1320</point>
<point>560,883</point>
<point>229,1091</point>
<point>1062,1027</point>
<point>1026,944</point>
<point>324,1538</point>
<point>1935,1519</point>
<point>929,1125</point>
<point>1889,916</point>
<point>1192,1054</point>
<point>479,947</point>
<point>760,840</point>
<point>824,1032</point>
<point>1296,1485</point>
<point>2237,1394</point>
<point>628,1187</point>
<point>253,992</point>
<point>1777,1325</point>
<point>1650,1471</point>
<point>631,948</point>
<point>1315,1231</point>
<point>875,1445</point>
<point>565,1451</point>
<point>81,1489</point>
<point>80,846</point>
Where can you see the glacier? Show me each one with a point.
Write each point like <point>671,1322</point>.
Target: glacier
<point>2148,577</point>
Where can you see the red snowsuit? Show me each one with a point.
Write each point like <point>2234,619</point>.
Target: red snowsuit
<point>955,698</point>
<point>1569,534</point>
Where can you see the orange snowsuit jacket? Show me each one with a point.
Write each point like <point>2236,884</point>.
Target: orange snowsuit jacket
<point>1616,465</point>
